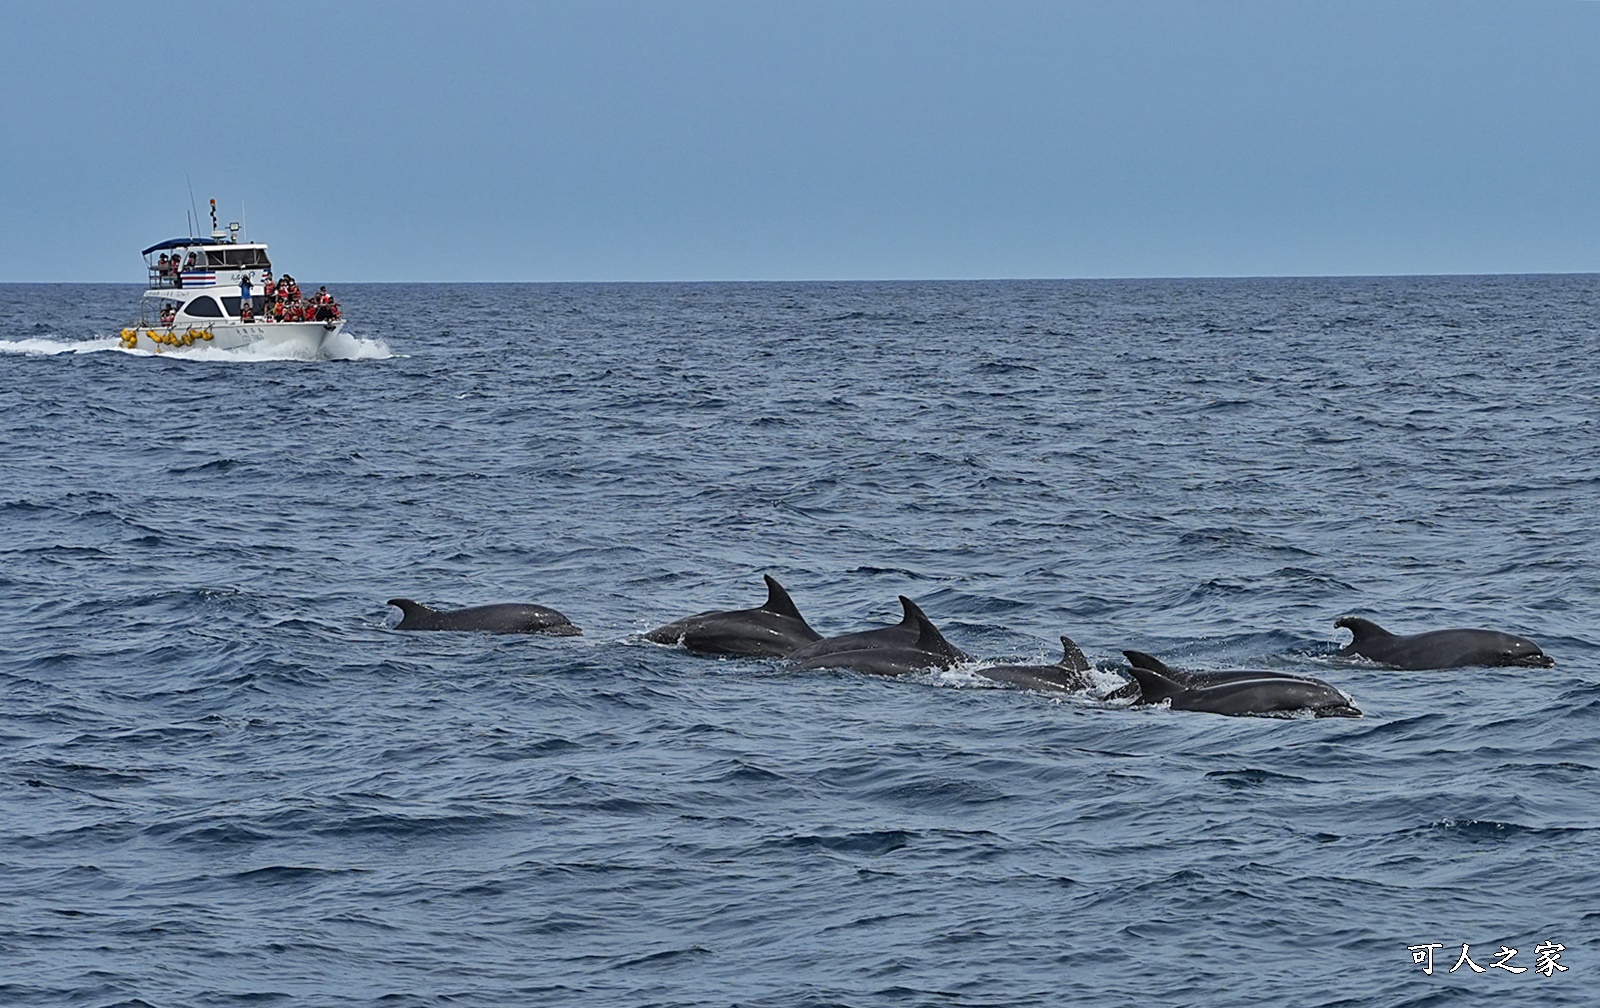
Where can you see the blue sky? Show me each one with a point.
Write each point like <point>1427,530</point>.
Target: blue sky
<point>597,140</point>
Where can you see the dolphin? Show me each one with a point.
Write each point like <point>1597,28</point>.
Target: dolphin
<point>902,634</point>
<point>1071,674</point>
<point>909,646</point>
<point>1236,691</point>
<point>772,629</point>
<point>1439,649</point>
<point>505,617</point>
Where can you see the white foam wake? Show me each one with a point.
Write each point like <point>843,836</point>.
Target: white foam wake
<point>341,346</point>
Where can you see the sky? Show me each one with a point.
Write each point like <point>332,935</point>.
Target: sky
<point>626,140</point>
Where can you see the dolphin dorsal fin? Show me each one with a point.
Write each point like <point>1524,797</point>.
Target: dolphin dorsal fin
<point>929,638</point>
<point>413,614</point>
<point>1155,684</point>
<point>778,601</point>
<point>914,616</point>
<point>1072,656</point>
<point>1141,660</point>
<point>1362,629</point>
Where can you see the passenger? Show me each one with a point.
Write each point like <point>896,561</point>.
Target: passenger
<point>168,313</point>
<point>277,311</point>
<point>246,313</point>
<point>323,297</point>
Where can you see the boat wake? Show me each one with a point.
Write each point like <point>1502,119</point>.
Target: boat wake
<point>339,346</point>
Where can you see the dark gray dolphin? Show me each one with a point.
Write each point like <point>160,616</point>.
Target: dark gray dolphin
<point>1440,649</point>
<point>901,634</point>
<point>772,629</point>
<point>912,645</point>
<point>1071,674</point>
<point>1236,691</point>
<point>505,617</point>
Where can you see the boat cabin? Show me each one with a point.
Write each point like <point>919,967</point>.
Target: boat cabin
<point>186,263</point>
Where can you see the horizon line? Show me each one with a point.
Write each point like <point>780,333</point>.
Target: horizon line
<point>876,280</point>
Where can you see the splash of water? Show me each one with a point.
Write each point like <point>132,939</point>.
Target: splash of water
<point>341,346</point>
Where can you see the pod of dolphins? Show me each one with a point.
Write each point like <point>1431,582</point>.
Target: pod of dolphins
<point>775,629</point>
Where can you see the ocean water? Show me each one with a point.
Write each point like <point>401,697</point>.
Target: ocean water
<point>227,780</point>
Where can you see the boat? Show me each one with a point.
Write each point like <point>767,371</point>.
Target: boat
<point>219,291</point>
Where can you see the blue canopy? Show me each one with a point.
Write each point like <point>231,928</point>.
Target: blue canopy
<point>179,243</point>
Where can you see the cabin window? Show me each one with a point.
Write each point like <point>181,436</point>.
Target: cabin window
<point>248,258</point>
<point>231,305</point>
<point>204,307</point>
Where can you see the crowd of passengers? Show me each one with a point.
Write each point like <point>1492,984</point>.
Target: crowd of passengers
<point>283,301</point>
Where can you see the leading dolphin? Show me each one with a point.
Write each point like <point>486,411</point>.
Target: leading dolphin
<point>1440,649</point>
<point>772,629</point>
<point>505,617</point>
<point>1236,692</point>
<point>912,645</point>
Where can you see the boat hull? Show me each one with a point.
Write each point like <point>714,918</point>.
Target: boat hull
<point>298,339</point>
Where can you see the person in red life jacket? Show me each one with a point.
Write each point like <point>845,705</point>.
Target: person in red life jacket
<point>246,313</point>
<point>168,313</point>
<point>277,311</point>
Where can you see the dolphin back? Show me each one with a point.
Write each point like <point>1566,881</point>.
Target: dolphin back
<point>1440,649</point>
<point>503,617</point>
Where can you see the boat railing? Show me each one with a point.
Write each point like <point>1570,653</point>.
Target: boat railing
<point>197,278</point>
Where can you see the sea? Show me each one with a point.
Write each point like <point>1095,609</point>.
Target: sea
<point>228,780</point>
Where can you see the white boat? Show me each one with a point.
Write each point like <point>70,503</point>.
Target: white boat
<point>221,292</point>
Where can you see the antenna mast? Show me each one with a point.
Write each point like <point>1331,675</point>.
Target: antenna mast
<point>195,220</point>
